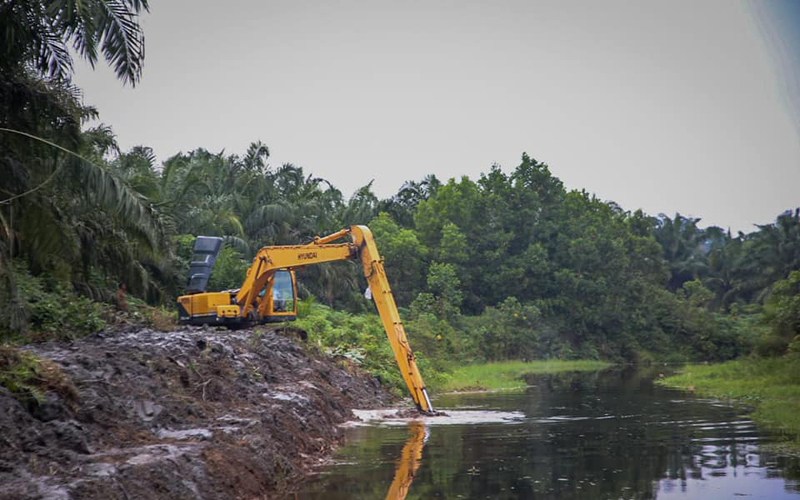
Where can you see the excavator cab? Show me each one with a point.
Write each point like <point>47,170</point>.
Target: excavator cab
<point>279,298</point>
<point>276,302</point>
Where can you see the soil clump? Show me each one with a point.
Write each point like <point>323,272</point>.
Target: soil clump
<point>189,414</point>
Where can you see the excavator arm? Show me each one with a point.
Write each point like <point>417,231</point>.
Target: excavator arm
<point>387,309</point>
<point>249,306</point>
<point>270,259</point>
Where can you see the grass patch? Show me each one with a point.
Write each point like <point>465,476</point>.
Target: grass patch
<point>771,386</point>
<point>29,378</point>
<point>506,375</point>
<point>162,319</point>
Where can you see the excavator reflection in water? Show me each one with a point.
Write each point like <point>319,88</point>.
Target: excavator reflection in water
<point>409,461</point>
<point>269,294</point>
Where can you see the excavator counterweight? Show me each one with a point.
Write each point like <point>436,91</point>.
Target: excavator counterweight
<point>269,294</point>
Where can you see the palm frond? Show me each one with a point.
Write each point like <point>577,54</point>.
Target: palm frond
<point>52,58</point>
<point>237,243</point>
<point>120,199</point>
<point>123,39</point>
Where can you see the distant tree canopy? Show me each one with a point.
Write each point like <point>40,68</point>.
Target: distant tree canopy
<point>595,280</point>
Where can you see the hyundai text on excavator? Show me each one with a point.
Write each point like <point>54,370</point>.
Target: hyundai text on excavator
<point>269,294</point>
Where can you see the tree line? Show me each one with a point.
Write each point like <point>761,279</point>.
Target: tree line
<point>509,265</point>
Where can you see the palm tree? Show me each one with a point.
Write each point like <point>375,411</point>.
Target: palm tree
<point>71,211</point>
<point>61,205</point>
<point>779,245</point>
<point>402,205</point>
<point>683,245</point>
<point>771,253</point>
<point>361,208</point>
<point>38,34</point>
<point>724,264</point>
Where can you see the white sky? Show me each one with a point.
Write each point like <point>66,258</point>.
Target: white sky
<point>669,106</point>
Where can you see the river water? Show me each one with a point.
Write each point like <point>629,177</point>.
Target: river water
<point>601,435</point>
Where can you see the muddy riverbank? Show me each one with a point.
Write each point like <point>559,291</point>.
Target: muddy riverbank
<point>189,414</point>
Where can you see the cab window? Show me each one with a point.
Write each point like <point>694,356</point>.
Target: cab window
<point>282,292</point>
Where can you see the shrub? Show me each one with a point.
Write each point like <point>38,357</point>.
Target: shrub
<point>28,377</point>
<point>358,338</point>
<point>782,318</point>
<point>509,331</point>
<point>52,310</point>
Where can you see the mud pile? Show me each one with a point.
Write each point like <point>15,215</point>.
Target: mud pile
<point>189,414</point>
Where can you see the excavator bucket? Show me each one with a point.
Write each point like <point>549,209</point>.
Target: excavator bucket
<point>206,249</point>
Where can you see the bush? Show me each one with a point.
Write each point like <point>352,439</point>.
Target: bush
<point>360,339</point>
<point>685,329</point>
<point>782,318</point>
<point>509,331</point>
<point>52,310</point>
<point>436,341</point>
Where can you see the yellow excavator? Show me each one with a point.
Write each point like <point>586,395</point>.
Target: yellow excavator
<point>269,294</point>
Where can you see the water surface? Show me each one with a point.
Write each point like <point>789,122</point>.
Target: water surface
<point>601,435</point>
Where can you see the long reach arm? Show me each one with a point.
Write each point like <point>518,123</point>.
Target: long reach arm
<point>362,245</point>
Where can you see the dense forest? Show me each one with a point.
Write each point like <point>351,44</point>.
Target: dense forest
<point>511,265</point>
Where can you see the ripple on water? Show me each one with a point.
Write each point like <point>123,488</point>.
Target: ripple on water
<point>387,417</point>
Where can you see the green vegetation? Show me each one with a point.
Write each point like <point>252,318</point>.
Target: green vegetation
<point>54,311</point>
<point>506,375</point>
<point>508,266</point>
<point>782,315</point>
<point>28,378</point>
<point>356,339</point>
<point>771,386</point>
<point>359,339</point>
<point>771,383</point>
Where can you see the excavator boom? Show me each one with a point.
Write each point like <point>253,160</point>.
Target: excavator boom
<point>387,309</point>
<point>250,304</point>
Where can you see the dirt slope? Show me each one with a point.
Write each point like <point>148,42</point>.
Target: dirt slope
<point>189,414</point>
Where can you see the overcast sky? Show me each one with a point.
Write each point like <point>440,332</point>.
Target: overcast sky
<point>671,106</point>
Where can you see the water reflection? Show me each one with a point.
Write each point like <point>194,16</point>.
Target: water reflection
<point>408,463</point>
<point>583,436</point>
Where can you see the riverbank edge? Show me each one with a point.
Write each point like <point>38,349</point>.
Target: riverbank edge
<point>243,414</point>
<point>506,375</point>
<point>771,387</point>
